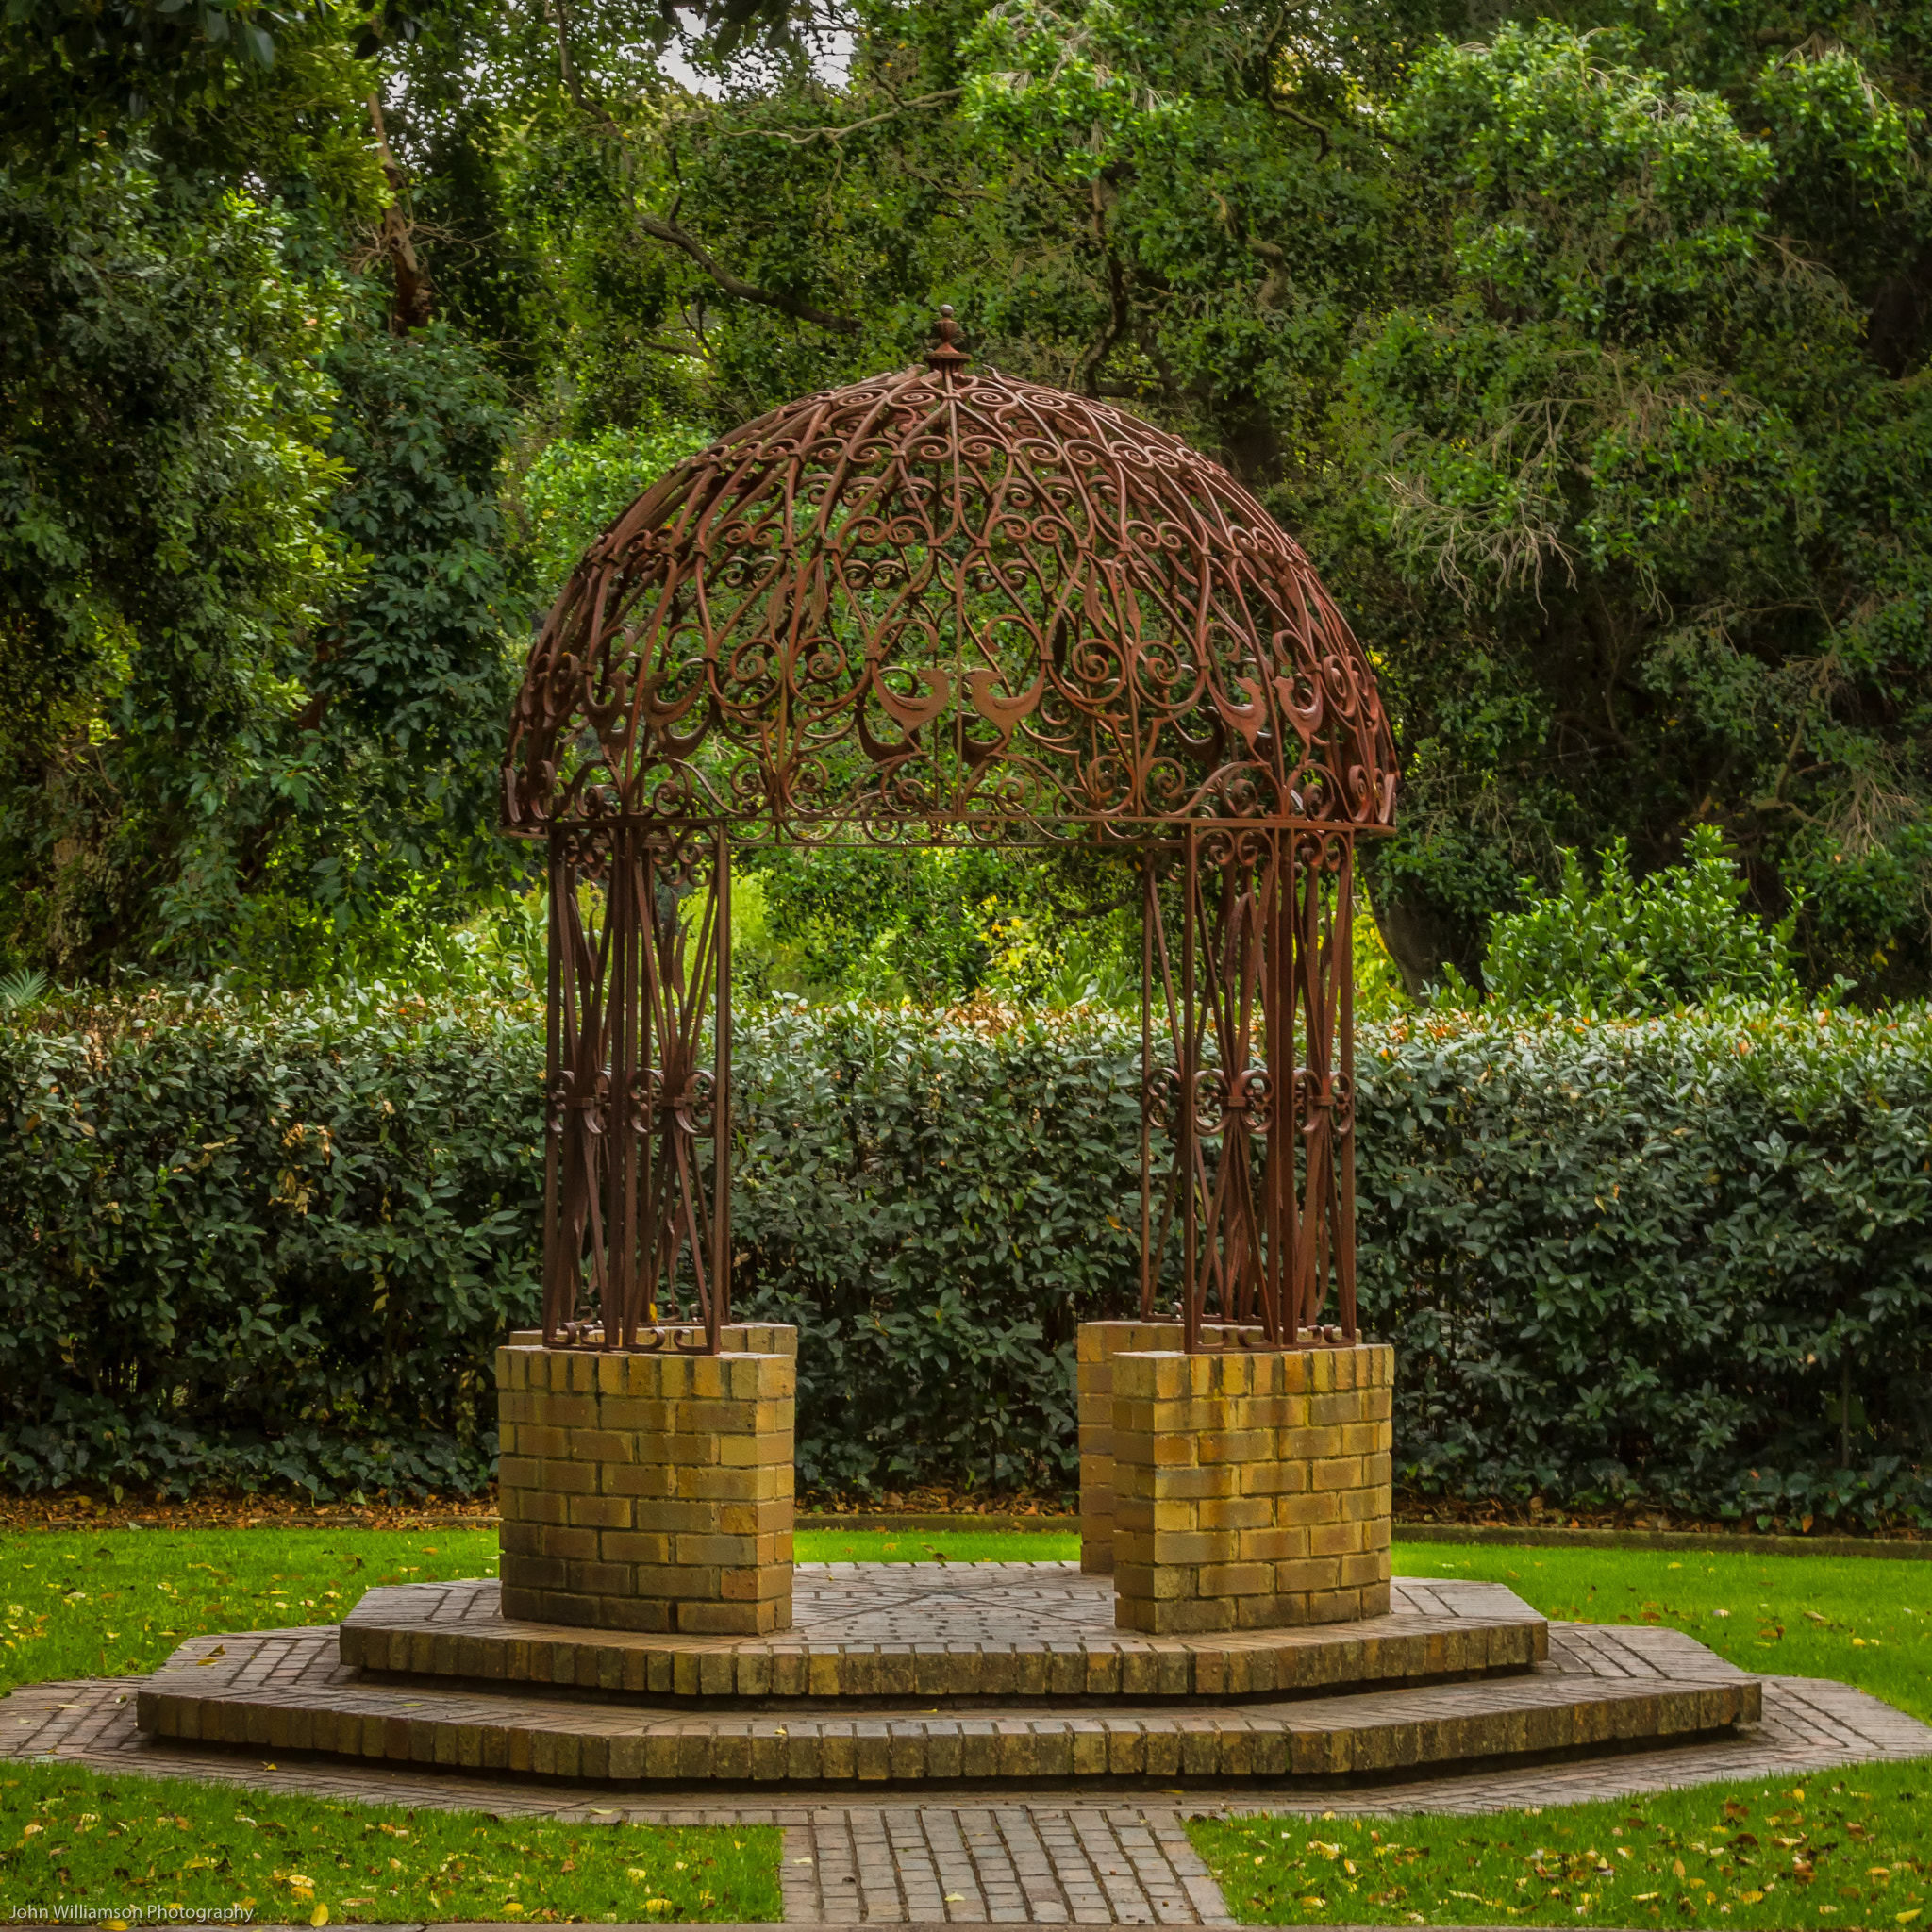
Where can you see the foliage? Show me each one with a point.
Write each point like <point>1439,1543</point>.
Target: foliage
<point>1681,1259</point>
<point>1744,1852</point>
<point>1681,935</point>
<point>388,793</point>
<point>163,549</point>
<point>73,1835</point>
<point>1613,515</point>
<point>1582,358</point>
<point>1585,356</point>
<point>577,487</point>
<point>275,1245</point>
<point>940,924</point>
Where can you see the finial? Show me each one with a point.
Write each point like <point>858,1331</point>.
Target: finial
<point>945,354</point>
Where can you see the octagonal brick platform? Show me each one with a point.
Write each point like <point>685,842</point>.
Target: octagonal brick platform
<point>917,1673</point>
<point>970,1635</point>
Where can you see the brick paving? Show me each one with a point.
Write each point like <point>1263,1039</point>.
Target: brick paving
<point>1053,1855</point>
<point>287,1691</point>
<point>1093,1701</point>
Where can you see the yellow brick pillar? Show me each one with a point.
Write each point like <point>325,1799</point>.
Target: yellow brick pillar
<point>649,1491</point>
<point>1095,1347</point>
<point>1251,1489</point>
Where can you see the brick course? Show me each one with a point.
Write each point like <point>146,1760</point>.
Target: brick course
<point>1098,1343</point>
<point>649,1491</point>
<point>1252,1487</point>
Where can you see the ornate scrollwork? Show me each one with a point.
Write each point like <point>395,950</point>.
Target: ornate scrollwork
<point>946,606</point>
<point>1082,599</point>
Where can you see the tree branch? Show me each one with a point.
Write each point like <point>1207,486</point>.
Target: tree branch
<point>679,238</point>
<point>811,134</point>
<point>414,302</point>
<point>1295,114</point>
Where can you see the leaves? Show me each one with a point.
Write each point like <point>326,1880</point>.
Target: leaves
<point>1619,1259</point>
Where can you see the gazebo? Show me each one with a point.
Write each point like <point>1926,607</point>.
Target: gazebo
<point>944,605</point>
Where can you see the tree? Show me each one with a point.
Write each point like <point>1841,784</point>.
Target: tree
<point>1585,358</point>
<point>1632,516</point>
<point>389,796</point>
<point>164,552</point>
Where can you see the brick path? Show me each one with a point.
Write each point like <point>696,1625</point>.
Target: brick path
<point>1056,1856</point>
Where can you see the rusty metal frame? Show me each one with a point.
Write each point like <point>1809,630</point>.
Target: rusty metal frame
<point>1254,1094</point>
<point>944,605</point>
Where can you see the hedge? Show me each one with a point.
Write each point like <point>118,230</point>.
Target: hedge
<point>1620,1260</point>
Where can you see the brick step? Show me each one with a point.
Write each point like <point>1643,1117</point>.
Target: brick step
<point>288,1691</point>
<point>948,1636</point>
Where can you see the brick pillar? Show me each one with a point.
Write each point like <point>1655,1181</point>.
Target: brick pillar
<point>1252,1487</point>
<point>648,1492</point>
<point>1097,1344</point>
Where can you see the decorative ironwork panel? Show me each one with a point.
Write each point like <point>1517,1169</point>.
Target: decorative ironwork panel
<point>1247,1032</point>
<point>637,1177</point>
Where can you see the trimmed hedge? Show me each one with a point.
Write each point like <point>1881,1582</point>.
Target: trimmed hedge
<point>1619,1259</point>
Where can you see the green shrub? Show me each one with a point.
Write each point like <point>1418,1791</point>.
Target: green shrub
<point>1643,1259</point>
<point>1647,1259</point>
<point>1680,936</point>
<point>257,1244</point>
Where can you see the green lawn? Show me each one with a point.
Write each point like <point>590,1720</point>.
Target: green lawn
<point>1863,1619</point>
<point>1851,1851</point>
<point>70,1837</point>
<point>1854,1850</point>
<point>116,1603</point>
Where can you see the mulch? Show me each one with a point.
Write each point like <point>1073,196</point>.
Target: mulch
<point>65,1509</point>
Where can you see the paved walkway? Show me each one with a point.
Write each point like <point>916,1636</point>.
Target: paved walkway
<point>1059,1856</point>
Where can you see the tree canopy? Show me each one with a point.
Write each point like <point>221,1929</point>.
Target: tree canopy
<point>1583,346</point>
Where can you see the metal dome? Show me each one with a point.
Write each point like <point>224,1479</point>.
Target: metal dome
<point>944,603</point>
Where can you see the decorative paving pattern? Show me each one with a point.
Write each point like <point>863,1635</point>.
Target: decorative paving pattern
<point>948,1633</point>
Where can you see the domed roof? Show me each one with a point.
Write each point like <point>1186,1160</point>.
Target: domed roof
<point>946,604</point>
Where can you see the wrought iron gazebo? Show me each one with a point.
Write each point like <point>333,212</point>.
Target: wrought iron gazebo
<point>944,605</point>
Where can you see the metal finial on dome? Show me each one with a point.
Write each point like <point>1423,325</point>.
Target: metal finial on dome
<point>945,353</point>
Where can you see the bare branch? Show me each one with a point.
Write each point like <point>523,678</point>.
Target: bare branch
<point>812,134</point>
<point>680,238</point>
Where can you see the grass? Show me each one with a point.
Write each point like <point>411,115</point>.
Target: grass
<point>1851,1851</point>
<point>72,1839</point>
<point>1863,1619</point>
<point>116,1603</point>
